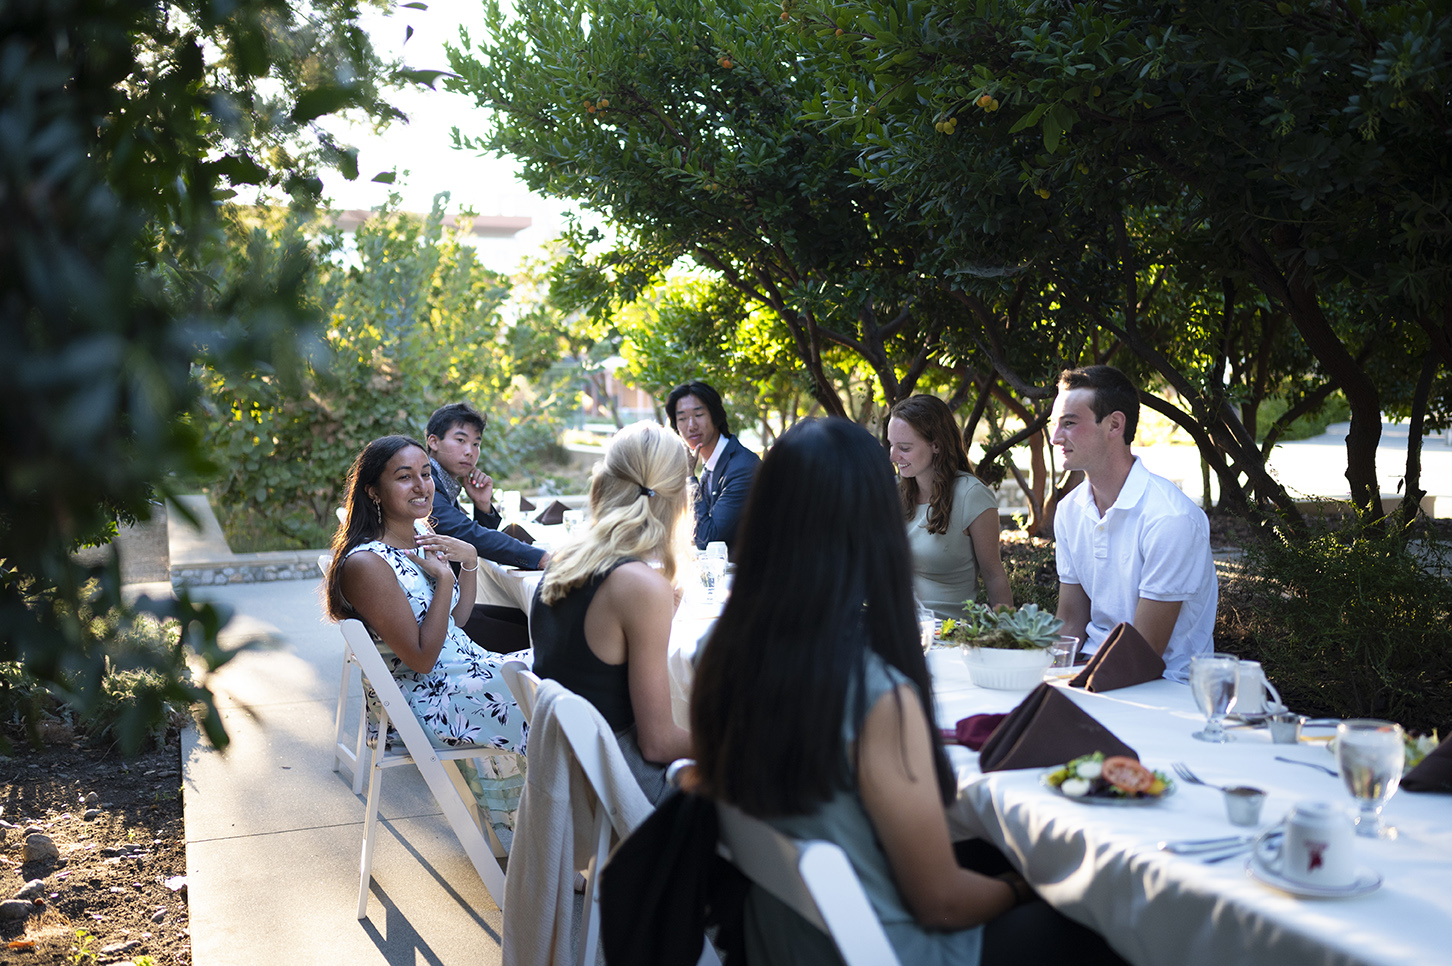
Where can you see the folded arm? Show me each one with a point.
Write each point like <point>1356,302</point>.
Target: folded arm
<point>491,544</point>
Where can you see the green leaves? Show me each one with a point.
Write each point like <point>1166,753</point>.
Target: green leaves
<point>319,101</point>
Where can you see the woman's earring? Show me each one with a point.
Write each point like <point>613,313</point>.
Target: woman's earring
<point>378,505</point>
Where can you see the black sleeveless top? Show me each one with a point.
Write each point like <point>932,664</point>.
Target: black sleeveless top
<point>562,654</point>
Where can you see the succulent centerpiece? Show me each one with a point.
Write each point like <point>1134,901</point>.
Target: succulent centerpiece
<point>1025,629</point>
<point>1004,649</point>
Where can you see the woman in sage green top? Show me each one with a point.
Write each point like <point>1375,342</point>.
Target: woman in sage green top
<point>952,517</point>
<point>812,710</point>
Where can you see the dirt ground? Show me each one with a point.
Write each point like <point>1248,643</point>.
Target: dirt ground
<point>116,893</point>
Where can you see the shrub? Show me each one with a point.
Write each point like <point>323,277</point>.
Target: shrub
<point>1032,575</point>
<point>413,320</point>
<point>132,706</point>
<point>1348,623</point>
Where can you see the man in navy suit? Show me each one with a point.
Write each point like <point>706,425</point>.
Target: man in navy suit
<point>454,432</point>
<point>726,467</point>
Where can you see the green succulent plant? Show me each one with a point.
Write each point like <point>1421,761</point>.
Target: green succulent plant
<point>1025,629</point>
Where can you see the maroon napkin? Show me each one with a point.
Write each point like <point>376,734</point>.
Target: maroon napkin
<point>1047,729</point>
<point>973,730</point>
<point>524,505</point>
<point>517,532</point>
<point>552,514</point>
<point>1434,774</point>
<point>1123,660</point>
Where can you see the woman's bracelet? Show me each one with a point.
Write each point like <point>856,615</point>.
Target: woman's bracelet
<point>470,570</point>
<point>1022,891</point>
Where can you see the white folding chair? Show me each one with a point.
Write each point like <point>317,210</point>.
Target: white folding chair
<point>522,684</point>
<point>814,878</point>
<point>578,724</point>
<point>345,751</point>
<point>436,765</point>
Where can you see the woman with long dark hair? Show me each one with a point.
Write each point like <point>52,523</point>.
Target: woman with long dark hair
<point>812,709</point>
<point>396,577</point>
<point>952,517</point>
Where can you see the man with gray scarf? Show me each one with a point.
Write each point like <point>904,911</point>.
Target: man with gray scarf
<point>454,432</point>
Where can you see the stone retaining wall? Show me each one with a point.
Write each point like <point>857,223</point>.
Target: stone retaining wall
<point>243,569</point>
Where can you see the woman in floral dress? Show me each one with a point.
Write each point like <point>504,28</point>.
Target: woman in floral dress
<point>396,576</point>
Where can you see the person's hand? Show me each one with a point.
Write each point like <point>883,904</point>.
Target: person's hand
<point>435,566</point>
<point>439,548</point>
<point>480,488</point>
<point>543,563</point>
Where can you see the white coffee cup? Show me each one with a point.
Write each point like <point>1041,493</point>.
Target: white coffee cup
<point>1250,698</point>
<point>1317,849</point>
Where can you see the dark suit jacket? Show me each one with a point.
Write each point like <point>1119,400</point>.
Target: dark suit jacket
<point>491,544</point>
<point>718,510</point>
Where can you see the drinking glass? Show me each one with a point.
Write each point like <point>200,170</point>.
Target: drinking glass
<point>713,563</point>
<point>1214,679</point>
<point>1064,652</point>
<point>927,625</point>
<point>1371,755</point>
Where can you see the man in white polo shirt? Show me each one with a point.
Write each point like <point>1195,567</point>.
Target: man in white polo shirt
<point>1130,545</point>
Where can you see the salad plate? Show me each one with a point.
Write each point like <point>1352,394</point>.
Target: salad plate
<point>1116,782</point>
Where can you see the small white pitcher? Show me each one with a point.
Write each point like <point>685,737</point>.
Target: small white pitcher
<point>1253,688</point>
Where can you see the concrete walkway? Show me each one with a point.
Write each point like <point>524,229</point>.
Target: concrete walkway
<point>274,835</point>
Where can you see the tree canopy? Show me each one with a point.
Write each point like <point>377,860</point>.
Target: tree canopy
<point>124,125</point>
<point>1244,196</point>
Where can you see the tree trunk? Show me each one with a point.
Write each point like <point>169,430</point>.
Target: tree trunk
<point>1412,491</point>
<point>1296,290</point>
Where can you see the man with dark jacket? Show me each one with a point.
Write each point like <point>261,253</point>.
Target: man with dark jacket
<point>454,432</point>
<point>727,468</point>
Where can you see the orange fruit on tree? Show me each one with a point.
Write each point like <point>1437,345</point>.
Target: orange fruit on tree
<point>984,101</point>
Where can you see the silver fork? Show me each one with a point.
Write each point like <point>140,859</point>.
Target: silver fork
<point>1310,764</point>
<point>1184,772</point>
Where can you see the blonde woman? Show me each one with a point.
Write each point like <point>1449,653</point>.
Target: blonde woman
<point>601,618</point>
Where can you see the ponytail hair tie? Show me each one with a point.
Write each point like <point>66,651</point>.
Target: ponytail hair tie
<point>646,491</point>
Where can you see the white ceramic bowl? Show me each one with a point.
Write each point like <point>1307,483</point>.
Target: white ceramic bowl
<point>1005,670</point>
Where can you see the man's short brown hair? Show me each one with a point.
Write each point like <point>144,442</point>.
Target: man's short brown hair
<point>1113,392</point>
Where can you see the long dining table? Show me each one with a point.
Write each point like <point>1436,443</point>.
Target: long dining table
<point>1101,865</point>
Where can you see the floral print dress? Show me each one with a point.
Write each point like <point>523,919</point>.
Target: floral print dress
<point>462,700</point>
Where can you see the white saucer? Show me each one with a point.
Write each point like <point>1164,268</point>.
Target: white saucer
<point>1367,880</point>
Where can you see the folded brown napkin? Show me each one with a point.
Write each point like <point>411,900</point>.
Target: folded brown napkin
<point>524,505</point>
<point>1047,729</point>
<point>1123,660</point>
<point>1434,773</point>
<point>552,514</point>
<point>517,532</point>
<point>973,730</point>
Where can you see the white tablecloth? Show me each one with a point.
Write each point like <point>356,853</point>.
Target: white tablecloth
<point>1099,864</point>
<point>509,586</point>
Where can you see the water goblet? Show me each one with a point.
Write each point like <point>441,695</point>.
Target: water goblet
<point>1214,679</point>
<point>1371,755</point>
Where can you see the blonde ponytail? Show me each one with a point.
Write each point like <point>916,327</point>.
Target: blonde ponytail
<point>638,502</point>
